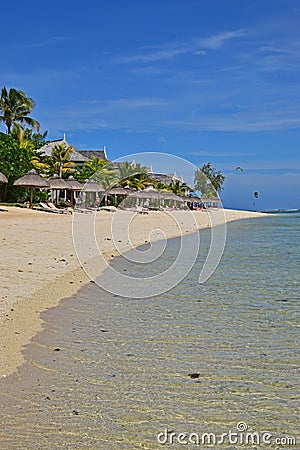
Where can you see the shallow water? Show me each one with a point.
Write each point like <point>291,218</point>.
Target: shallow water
<point>111,373</point>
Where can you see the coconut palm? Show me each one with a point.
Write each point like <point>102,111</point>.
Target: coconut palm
<point>19,134</point>
<point>139,181</point>
<point>106,178</point>
<point>91,167</point>
<point>208,180</point>
<point>161,186</point>
<point>41,164</point>
<point>133,175</point>
<point>178,187</point>
<point>15,107</point>
<point>60,159</point>
<point>128,170</point>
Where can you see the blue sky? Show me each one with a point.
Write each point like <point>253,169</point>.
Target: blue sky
<point>206,80</point>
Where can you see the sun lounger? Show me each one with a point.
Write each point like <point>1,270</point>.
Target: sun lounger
<point>108,208</point>
<point>80,209</point>
<point>44,207</point>
<point>58,210</point>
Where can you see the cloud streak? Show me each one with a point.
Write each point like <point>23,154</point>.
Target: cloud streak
<point>237,124</point>
<point>196,47</point>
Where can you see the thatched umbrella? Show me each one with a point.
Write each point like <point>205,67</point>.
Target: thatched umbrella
<point>92,186</point>
<point>32,180</point>
<point>118,190</point>
<point>3,178</point>
<point>210,201</point>
<point>171,196</point>
<point>146,195</point>
<point>57,184</point>
<point>74,186</point>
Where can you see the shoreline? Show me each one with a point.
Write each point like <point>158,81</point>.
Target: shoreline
<point>40,266</point>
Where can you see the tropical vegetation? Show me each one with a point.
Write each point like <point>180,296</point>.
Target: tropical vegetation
<point>19,152</point>
<point>59,162</point>
<point>15,108</point>
<point>15,161</point>
<point>208,180</point>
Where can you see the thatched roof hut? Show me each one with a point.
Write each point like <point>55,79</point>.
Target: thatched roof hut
<point>118,190</point>
<point>57,183</point>
<point>74,184</point>
<point>3,178</point>
<point>92,186</point>
<point>32,180</point>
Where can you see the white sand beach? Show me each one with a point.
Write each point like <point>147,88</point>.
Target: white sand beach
<point>39,265</point>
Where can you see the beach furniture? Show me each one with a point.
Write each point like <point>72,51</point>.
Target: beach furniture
<point>46,208</point>
<point>58,184</point>
<point>31,180</point>
<point>3,178</point>
<point>59,210</point>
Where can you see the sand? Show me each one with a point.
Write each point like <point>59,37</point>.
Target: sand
<point>39,265</point>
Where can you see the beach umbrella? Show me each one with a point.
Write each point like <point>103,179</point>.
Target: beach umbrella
<point>74,186</point>
<point>92,186</point>
<point>57,184</point>
<point>3,178</point>
<point>118,190</point>
<point>170,196</point>
<point>210,201</point>
<point>146,195</point>
<point>32,180</point>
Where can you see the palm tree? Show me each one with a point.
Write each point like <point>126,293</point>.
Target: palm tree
<point>161,186</point>
<point>19,135</point>
<point>91,167</point>
<point>139,181</point>
<point>128,170</point>
<point>95,164</point>
<point>208,180</point>
<point>60,159</point>
<point>133,175</point>
<point>15,107</point>
<point>178,187</point>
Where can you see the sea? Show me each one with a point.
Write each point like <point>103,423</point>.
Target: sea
<point>213,365</point>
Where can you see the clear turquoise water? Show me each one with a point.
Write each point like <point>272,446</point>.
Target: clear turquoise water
<point>111,373</point>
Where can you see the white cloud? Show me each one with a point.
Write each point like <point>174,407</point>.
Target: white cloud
<point>236,123</point>
<point>216,41</point>
<point>137,103</point>
<point>196,47</point>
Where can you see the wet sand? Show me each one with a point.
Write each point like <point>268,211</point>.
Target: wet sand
<point>112,372</point>
<point>39,264</point>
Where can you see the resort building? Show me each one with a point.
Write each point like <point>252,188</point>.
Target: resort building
<point>79,157</point>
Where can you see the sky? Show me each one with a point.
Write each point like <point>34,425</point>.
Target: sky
<point>205,80</point>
